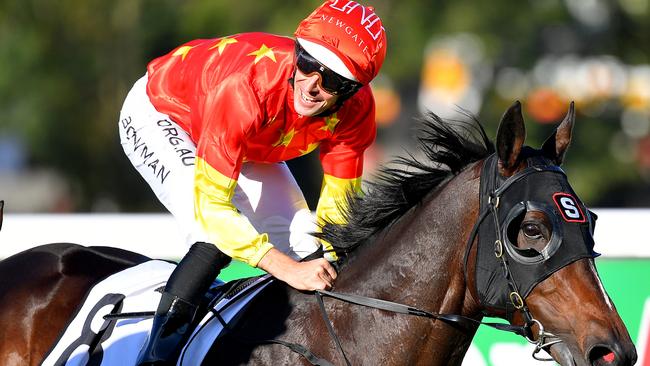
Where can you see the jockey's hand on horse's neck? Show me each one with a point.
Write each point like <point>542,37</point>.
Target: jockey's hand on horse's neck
<point>317,274</point>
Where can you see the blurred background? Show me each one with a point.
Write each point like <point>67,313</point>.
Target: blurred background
<point>66,66</point>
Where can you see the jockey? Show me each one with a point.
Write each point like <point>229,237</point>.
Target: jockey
<point>210,127</point>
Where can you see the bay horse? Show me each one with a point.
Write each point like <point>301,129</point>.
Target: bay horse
<point>462,228</point>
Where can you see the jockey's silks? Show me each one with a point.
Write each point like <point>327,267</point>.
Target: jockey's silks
<point>234,97</point>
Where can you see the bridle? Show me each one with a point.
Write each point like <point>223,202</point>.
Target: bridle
<point>495,193</point>
<point>544,338</point>
<point>493,187</point>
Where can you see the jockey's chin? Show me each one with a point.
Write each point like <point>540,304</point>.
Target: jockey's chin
<point>309,99</point>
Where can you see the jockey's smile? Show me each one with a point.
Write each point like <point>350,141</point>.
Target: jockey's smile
<point>309,99</point>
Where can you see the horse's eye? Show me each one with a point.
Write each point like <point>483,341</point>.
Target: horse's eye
<point>531,230</point>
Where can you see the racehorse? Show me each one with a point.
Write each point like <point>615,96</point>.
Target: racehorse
<point>455,232</point>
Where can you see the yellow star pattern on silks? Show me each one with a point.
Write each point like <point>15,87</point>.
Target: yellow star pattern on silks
<point>330,123</point>
<point>182,51</point>
<point>285,138</point>
<point>309,148</point>
<point>263,52</point>
<point>223,42</point>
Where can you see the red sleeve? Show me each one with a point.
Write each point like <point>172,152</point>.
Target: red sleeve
<point>230,113</point>
<point>342,155</point>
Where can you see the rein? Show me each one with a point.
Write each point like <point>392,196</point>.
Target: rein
<point>394,307</point>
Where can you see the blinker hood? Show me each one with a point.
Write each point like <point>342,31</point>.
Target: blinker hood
<point>543,187</point>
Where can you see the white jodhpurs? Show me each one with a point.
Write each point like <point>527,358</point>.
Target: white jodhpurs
<point>163,153</point>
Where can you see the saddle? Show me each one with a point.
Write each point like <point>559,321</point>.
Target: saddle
<point>112,323</point>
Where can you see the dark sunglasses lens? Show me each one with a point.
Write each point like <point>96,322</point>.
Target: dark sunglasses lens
<point>306,63</point>
<point>329,80</point>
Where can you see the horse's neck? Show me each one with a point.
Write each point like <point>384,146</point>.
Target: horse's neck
<point>423,250</point>
<point>419,262</point>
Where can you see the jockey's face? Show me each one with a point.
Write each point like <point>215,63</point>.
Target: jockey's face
<point>309,99</point>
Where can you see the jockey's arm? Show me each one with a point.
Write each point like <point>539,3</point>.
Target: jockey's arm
<point>237,238</point>
<point>219,158</point>
<point>316,274</point>
<point>332,203</point>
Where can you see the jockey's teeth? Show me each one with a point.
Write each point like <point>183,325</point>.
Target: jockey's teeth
<point>307,99</point>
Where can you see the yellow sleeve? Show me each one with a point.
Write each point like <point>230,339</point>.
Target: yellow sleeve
<point>333,200</point>
<point>231,232</point>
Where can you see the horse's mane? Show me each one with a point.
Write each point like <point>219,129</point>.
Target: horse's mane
<point>447,146</point>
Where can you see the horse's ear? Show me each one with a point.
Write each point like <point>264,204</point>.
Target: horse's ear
<point>510,138</point>
<point>556,145</point>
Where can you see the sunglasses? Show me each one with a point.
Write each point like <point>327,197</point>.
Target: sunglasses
<point>329,81</point>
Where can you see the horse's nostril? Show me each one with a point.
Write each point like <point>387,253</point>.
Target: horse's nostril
<point>601,355</point>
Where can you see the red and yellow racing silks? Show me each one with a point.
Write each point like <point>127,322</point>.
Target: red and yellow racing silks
<point>234,97</point>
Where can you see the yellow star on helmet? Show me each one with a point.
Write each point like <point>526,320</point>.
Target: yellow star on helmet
<point>330,123</point>
<point>285,138</point>
<point>223,42</point>
<point>309,148</point>
<point>182,51</point>
<point>263,52</point>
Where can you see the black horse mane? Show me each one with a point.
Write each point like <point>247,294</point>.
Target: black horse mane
<point>448,147</point>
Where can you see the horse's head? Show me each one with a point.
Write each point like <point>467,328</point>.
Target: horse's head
<point>534,261</point>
